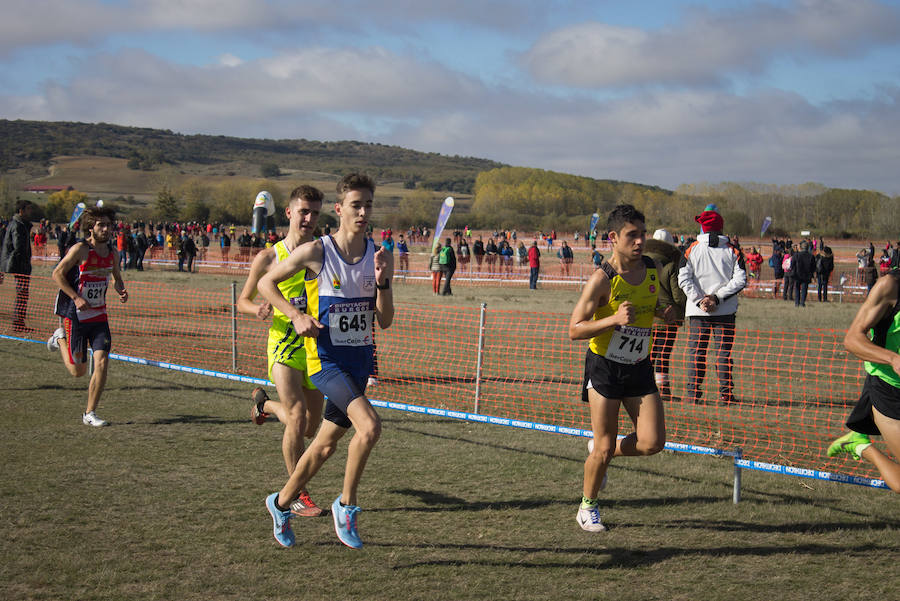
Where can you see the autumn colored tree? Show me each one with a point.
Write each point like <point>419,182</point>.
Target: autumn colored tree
<point>61,204</point>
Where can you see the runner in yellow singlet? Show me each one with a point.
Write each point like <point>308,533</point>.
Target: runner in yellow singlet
<point>300,405</point>
<point>615,312</point>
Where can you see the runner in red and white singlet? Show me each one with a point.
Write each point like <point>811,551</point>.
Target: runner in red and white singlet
<point>83,280</point>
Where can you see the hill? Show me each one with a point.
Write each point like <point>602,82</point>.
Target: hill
<point>32,144</point>
<point>213,176</point>
<point>131,165</point>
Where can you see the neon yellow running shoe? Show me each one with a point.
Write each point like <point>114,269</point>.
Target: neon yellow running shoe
<point>852,443</point>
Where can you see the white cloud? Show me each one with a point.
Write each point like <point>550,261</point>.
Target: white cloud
<point>136,88</point>
<point>230,60</point>
<point>668,139</point>
<point>709,47</point>
<point>686,133</point>
<point>34,23</point>
<point>662,138</point>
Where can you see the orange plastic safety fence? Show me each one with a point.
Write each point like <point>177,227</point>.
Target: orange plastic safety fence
<point>792,390</point>
<point>844,285</point>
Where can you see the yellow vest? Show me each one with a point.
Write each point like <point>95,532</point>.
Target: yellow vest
<point>293,289</point>
<point>628,344</point>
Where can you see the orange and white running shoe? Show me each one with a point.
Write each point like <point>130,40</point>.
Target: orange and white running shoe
<point>305,507</point>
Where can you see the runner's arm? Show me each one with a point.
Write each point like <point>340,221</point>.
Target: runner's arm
<point>881,299</point>
<point>258,268</point>
<point>384,299</point>
<point>306,256</point>
<point>76,255</point>
<point>582,325</point>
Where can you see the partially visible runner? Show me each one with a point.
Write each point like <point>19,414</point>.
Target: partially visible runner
<point>615,312</point>
<point>300,405</point>
<point>878,409</point>
<point>348,287</point>
<point>83,278</point>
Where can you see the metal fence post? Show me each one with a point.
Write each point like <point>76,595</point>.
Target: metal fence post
<point>480,357</point>
<point>234,327</point>
<point>736,496</point>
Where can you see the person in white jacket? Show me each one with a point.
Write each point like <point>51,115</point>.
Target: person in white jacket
<point>712,274</point>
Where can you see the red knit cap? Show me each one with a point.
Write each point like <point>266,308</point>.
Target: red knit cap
<point>710,221</point>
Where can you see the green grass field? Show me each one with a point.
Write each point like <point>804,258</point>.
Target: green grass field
<point>168,504</point>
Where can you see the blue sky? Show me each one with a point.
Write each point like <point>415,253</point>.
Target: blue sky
<point>661,93</point>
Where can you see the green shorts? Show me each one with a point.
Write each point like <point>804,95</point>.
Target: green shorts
<point>286,347</point>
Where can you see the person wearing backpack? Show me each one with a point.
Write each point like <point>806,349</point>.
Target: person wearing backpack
<point>787,265</point>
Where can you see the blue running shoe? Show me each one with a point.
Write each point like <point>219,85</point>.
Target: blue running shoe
<point>282,522</point>
<point>345,523</point>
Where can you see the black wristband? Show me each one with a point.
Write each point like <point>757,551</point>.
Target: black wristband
<point>386,286</point>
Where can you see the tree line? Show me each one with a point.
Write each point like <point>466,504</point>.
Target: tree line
<point>519,197</point>
<point>503,197</point>
<point>533,199</point>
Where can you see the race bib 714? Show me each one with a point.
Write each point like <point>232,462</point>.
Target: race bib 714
<point>629,344</point>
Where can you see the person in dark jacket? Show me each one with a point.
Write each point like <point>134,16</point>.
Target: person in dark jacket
<point>62,241</point>
<point>141,244</point>
<point>661,248</point>
<point>15,258</point>
<point>448,267</point>
<point>187,252</point>
<point>870,274</point>
<point>824,267</point>
<point>775,262</point>
<point>804,268</point>
<point>478,252</point>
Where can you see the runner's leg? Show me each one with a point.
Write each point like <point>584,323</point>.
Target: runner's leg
<point>368,430</point>
<point>890,430</point>
<point>605,426</point>
<point>320,449</point>
<point>290,410</point>
<point>72,358</point>
<point>98,380</point>
<point>649,436</point>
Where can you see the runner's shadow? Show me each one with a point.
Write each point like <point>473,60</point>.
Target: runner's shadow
<point>486,444</point>
<point>592,558</point>
<point>196,419</point>
<point>437,502</point>
<point>430,497</point>
<point>798,527</point>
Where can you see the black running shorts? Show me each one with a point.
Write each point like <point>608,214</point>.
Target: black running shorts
<point>617,380</point>
<point>80,335</point>
<point>875,393</point>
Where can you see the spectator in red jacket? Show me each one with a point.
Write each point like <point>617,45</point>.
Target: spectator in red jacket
<point>534,262</point>
<point>754,262</point>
